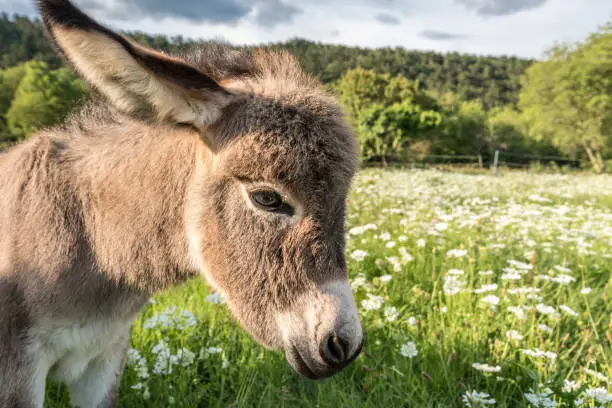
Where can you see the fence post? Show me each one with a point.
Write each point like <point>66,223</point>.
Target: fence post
<point>495,162</point>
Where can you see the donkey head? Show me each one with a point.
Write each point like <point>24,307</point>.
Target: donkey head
<point>265,212</point>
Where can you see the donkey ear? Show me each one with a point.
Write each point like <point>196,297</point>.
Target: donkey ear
<point>137,80</point>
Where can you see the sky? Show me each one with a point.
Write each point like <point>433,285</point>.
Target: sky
<point>525,28</point>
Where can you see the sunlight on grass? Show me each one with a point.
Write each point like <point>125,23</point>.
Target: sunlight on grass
<point>474,291</point>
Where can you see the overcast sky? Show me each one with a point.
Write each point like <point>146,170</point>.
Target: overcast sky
<point>518,27</point>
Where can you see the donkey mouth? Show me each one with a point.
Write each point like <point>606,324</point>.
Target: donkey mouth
<point>295,360</point>
<point>299,364</point>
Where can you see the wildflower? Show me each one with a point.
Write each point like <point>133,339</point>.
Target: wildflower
<point>533,296</point>
<point>444,309</point>
<point>585,291</point>
<point>412,321</point>
<point>491,300</point>
<point>385,236</point>
<point>406,257</point>
<point>171,318</point>
<point>456,253</point>
<point>597,375</point>
<point>568,310</point>
<point>395,263</point>
<point>390,244</point>
<point>569,386</point>
<point>164,360</point>
<point>409,350</point>
<point>185,356</point>
<point>391,313</point>
<point>546,310</point>
<point>456,272</point>
<point>486,288</point>
<point>139,363</point>
<point>540,354</point>
<point>215,298</point>
<point>359,255</point>
<point>562,269</point>
<point>133,356</point>
<point>441,226</point>
<point>539,199</point>
<point>486,368</point>
<point>206,352</point>
<point>541,399</point>
<point>599,394</point>
<point>520,265</point>
<point>545,328</point>
<point>511,276</point>
<point>225,363</point>
<point>359,281</point>
<point>362,229</point>
<point>485,273</point>
<point>513,335</point>
<point>523,291</point>
<point>511,271</point>
<point>518,312</point>
<point>402,238</point>
<point>452,285</point>
<point>385,278</point>
<point>475,399</point>
<point>563,279</point>
<point>373,302</point>
<point>420,243</point>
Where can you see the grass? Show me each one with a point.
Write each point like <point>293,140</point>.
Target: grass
<point>536,248</point>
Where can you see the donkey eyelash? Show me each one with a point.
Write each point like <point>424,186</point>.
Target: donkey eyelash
<point>280,207</point>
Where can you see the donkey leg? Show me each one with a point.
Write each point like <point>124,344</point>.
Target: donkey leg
<point>98,386</point>
<point>23,383</point>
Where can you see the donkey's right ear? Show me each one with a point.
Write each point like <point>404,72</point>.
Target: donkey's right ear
<point>137,80</point>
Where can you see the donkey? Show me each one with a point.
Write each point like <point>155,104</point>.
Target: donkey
<point>228,164</point>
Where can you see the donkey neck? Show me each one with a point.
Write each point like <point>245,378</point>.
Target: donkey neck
<point>133,184</point>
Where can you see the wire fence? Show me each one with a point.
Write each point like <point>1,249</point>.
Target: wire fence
<point>499,159</point>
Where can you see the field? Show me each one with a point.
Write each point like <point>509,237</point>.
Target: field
<point>474,291</point>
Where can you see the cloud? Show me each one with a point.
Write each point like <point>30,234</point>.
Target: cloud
<point>17,7</point>
<point>441,35</point>
<point>266,13</point>
<point>386,18</point>
<point>500,7</point>
<point>215,11</point>
<point>273,12</point>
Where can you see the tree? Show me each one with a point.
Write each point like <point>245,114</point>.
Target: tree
<point>568,98</point>
<point>388,130</point>
<point>508,130</point>
<point>388,112</point>
<point>43,98</point>
<point>9,81</point>
<point>466,129</point>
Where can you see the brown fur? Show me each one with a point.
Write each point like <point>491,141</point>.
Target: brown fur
<point>97,215</point>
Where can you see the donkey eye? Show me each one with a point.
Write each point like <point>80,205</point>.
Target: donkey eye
<point>267,199</point>
<point>271,201</point>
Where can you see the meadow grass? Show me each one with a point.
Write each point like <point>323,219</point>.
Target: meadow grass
<point>473,290</point>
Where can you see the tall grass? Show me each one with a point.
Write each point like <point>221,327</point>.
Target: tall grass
<point>501,284</point>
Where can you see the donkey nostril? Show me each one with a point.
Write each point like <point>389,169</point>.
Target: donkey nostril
<point>337,347</point>
<point>334,350</point>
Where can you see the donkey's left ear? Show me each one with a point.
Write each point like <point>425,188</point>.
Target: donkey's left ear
<point>137,80</point>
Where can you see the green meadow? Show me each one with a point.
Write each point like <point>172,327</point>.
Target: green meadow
<point>474,290</point>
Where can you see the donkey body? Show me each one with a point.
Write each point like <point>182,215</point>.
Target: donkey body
<point>224,164</point>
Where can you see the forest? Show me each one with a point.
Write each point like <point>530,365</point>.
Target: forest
<point>402,103</point>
